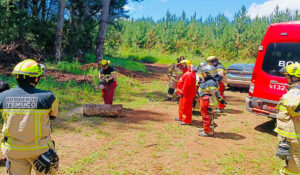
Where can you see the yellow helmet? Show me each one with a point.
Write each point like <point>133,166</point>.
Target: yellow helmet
<point>293,70</point>
<point>211,58</point>
<point>104,62</point>
<point>186,62</point>
<point>29,67</point>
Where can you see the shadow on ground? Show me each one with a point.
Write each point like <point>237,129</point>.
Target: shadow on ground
<point>234,99</point>
<point>232,111</point>
<point>231,136</point>
<point>73,122</point>
<point>267,127</point>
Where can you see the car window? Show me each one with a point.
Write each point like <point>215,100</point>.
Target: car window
<point>279,55</point>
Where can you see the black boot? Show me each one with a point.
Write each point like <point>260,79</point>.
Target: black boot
<point>168,99</point>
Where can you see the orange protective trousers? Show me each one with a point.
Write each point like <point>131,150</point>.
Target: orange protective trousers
<point>108,92</point>
<point>204,105</point>
<point>221,90</point>
<point>186,109</point>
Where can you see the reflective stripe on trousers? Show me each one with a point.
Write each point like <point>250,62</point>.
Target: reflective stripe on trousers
<point>284,171</point>
<point>287,134</point>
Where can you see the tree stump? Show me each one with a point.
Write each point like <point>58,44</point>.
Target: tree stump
<point>102,110</point>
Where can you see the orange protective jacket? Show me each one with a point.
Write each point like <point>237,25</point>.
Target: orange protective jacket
<point>186,85</point>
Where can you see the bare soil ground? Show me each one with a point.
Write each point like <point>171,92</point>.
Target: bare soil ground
<point>149,141</point>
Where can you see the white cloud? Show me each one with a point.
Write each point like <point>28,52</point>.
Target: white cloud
<point>128,7</point>
<point>268,7</point>
<point>163,0</point>
<point>228,14</point>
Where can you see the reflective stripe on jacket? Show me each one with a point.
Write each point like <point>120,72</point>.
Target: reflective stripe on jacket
<point>210,87</point>
<point>287,125</point>
<point>26,113</point>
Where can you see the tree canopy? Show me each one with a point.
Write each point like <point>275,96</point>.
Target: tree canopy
<point>36,20</point>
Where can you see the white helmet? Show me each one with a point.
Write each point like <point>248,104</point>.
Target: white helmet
<point>201,65</point>
<point>208,70</point>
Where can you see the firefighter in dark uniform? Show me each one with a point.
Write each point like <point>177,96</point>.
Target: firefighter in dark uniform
<point>209,99</point>
<point>108,81</point>
<point>26,112</point>
<point>222,78</point>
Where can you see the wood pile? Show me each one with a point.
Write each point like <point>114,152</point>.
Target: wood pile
<point>11,54</point>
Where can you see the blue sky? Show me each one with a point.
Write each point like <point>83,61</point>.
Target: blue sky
<point>158,8</point>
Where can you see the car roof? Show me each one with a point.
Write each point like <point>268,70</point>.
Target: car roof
<point>241,66</point>
<point>285,23</point>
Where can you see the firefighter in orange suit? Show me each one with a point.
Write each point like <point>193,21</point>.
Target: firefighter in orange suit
<point>186,91</point>
<point>26,112</point>
<point>288,122</point>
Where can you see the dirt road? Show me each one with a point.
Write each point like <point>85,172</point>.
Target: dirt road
<point>149,141</point>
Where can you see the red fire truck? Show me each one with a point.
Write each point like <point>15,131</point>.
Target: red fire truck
<point>280,47</point>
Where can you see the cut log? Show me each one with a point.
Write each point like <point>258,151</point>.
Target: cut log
<point>102,110</point>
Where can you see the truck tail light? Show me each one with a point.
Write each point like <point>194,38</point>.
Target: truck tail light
<point>251,89</point>
<point>269,107</point>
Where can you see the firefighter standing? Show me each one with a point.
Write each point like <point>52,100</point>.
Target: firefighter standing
<point>186,91</point>
<point>221,73</point>
<point>108,79</point>
<point>26,112</point>
<point>288,122</point>
<point>209,98</point>
<point>174,73</point>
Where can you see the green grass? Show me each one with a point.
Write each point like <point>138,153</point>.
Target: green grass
<point>127,64</point>
<point>154,57</point>
<point>79,166</point>
<point>231,163</point>
<point>129,92</point>
<point>75,67</point>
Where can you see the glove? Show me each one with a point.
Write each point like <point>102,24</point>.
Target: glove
<point>223,102</point>
<point>46,161</point>
<point>283,150</point>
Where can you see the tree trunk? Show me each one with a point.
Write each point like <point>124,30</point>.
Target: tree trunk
<point>48,11</point>
<point>44,9</point>
<point>34,8</point>
<point>102,110</point>
<point>21,24</point>
<point>102,30</point>
<point>60,23</point>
